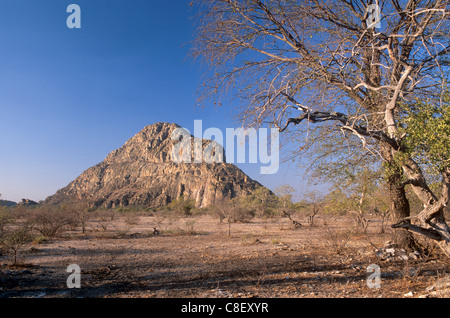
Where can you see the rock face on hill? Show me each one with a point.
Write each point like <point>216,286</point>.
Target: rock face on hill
<point>143,173</point>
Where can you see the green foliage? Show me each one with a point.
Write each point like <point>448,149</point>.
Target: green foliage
<point>337,202</point>
<point>426,128</point>
<point>394,167</point>
<point>241,210</point>
<point>301,206</point>
<point>357,191</point>
<point>183,205</point>
<point>285,194</point>
<point>262,201</point>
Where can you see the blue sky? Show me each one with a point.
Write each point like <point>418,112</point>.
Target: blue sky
<point>68,97</point>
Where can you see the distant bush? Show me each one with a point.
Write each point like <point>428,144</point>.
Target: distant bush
<point>51,221</point>
<point>183,206</point>
<point>103,219</point>
<point>6,217</point>
<point>14,234</point>
<point>262,202</point>
<point>13,240</point>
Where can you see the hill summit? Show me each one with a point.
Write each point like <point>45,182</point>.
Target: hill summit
<point>142,173</point>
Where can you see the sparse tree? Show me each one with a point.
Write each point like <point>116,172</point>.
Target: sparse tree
<point>325,63</point>
<point>315,204</point>
<point>359,185</point>
<point>83,216</point>
<point>50,221</point>
<point>225,211</point>
<point>14,239</point>
<point>79,213</point>
<point>285,194</point>
<point>104,219</point>
<point>233,211</point>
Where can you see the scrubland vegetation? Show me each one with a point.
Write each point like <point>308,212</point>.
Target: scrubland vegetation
<point>261,245</point>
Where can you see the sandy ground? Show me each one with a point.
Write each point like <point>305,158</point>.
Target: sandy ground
<point>196,258</point>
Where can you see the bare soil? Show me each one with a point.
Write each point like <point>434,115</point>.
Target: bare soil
<point>196,258</point>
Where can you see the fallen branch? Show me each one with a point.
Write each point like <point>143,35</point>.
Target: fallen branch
<point>294,222</point>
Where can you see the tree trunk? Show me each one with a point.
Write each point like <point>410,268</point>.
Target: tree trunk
<point>436,229</point>
<point>384,216</point>
<point>399,204</point>
<point>400,209</point>
<point>438,223</point>
<point>431,219</point>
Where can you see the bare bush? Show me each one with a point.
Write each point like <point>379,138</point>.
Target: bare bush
<point>81,214</point>
<point>103,219</point>
<point>14,238</point>
<point>50,221</point>
<point>236,210</point>
<point>189,225</point>
<point>132,219</point>
<point>336,240</point>
<point>6,217</point>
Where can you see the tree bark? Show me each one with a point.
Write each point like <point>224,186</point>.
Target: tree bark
<point>438,231</point>
<point>432,223</point>
<point>399,204</point>
<point>400,209</point>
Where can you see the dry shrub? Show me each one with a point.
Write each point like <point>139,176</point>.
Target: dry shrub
<point>337,241</point>
<point>51,221</point>
<point>103,219</point>
<point>132,218</point>
<point>13,240</point>
<point>14,234</point>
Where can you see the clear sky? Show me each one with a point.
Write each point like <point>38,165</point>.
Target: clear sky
<point>68,97</point>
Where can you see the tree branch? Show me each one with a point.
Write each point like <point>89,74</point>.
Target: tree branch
<point>348,122</point>
<point>430,233</point>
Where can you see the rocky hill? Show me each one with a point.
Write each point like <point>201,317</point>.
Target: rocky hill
<point>142,173</point>
<point>7,203</point>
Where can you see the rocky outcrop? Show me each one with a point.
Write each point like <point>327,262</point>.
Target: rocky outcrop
<point>27,203</point>
<point>143,173</point>
<point>7,203</point>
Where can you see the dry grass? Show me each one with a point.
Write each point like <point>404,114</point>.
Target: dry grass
<point>195,257</point>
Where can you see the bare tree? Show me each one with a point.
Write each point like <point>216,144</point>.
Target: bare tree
<point>311,204</point>
<point>324,63</point>
<point>78,212</point>
<point>285,193</point>
<point>14,239</point>
<point>225,210</point>
<point>233,210</point>
<point>315,205</point>
<point>50,221</point>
